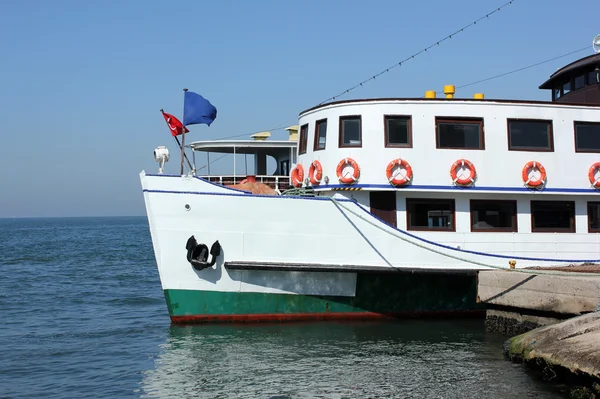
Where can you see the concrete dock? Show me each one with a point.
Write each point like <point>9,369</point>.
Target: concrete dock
<point>517,302</point>
<point>554,316</point>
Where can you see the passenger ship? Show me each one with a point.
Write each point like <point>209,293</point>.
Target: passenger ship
<point>384,207</point>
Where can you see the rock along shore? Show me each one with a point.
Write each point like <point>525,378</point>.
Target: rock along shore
<point>566,352</point>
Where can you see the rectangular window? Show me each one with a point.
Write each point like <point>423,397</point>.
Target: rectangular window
<point>587,137</point>
<point>430,214</point>
<point>593,212</point>
<point>397,131</point>
<point>350,131</point>
<point>530,135</point>
<point>320,134</point>
<point>556,93</point>
<point>493,215</point>
<point>566,88</point>
<point>579,82</point>
<point>459,133</point>
<point>593,77</point>
<point>553,216</point>
<point>303,139</point>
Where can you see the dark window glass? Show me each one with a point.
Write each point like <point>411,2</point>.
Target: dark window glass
<point>460,134</point>
<point>350,131</point>
<point>553,216</point>
<point>587,136</point>
<point>593,77</point>
<point>430,214</point>
<point>303,139</point>
<point>398,131</point>
<point>566,88</point>
<point>530,135</point>
<point>579,82</point>
<point>493,215</point>
<point>320,134</point>
<point>593,216</point>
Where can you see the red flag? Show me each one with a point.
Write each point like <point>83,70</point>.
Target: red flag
<point>175,124</point>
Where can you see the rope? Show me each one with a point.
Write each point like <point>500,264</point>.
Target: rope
<point>449,255</point>
<point>299,191</point>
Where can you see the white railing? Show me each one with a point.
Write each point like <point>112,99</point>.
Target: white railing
<point>275,182</point>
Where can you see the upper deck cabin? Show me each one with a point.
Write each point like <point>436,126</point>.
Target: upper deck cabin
<point>281,152</point>
<point>577,82</point>
<point>505,141</point>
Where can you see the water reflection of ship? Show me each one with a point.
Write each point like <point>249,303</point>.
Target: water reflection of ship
<point>307,359</point>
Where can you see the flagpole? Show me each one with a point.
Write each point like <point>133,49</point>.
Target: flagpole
<point>185,155</point>
<point>183,134</point>
<point>178,143</point>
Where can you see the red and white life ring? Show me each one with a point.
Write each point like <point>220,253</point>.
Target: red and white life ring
<point>595,182</point>
<point>315,173</point>
<point>463,180</point>
<point>298,176</point>
<point>399,180</point>
<point>529,166</point>
<point>348,179</point>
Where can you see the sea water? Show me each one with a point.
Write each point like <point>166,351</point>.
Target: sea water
<point>83,316</point>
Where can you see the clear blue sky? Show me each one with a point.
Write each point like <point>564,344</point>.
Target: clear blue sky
<point>82,82</point>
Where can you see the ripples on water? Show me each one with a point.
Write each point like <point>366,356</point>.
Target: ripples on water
<point>83,316</point>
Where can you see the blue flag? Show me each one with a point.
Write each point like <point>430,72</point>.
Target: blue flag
<point>197,109</point>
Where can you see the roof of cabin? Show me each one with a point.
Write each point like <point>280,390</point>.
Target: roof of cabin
<point>582,64</point>
<point>270,147</point>
<point>445,100</point>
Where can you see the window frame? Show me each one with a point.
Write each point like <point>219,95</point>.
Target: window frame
<point>316,146</point>
<point>341,132</point>
<point>531,149</point>
<point>451,201</point>
<point>456,119</point>
<point>589,225</point>
<point>575,123</point>
<point>386,142</point>
<point>303,139</point>
<point>514,217</point>
<point>573,229</point>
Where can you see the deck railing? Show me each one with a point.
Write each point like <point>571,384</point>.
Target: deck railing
<point>275,182</point>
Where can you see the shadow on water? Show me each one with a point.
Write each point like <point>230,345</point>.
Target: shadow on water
<point>449,359</point>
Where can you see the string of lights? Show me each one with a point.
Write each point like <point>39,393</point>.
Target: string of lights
<point>437,43</point>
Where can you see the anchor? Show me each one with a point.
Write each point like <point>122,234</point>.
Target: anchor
<point>197,254</point>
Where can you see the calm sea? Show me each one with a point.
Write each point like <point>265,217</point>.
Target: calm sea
<point>83,316</point>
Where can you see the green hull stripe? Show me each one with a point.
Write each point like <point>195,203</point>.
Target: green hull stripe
<point>374,293</point>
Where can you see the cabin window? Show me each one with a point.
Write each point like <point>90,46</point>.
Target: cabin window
<point>556,93</point>
<point>587,137</point>
<point>493,215</point>
<point>530,135</point>
<point>459,133</point>
<point>350,131</point>
<point>553,216</point>
<point>430,214</point>
<point>593,77</point>
<point>566,88</point>
<point>320,134</point>
<point>593,211</point>
<point>579,82</point>
<point>303,139</point>
<point>397,131</point>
